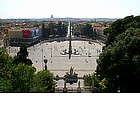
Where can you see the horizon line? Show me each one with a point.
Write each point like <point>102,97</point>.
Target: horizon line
<point>64,18</point>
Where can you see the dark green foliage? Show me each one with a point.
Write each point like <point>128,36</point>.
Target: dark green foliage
<point>43,31</point>
<point>5,71</point>
<point>93,81</point>
<point>121,26</point>
<point>5,64</point>
<point>90,80</point>
<point>22,78</point>
<point>43,82</point>
<point>5,85</point>
<point>94,33</point>
<point>59,29</point>
<point>54,29</point>
<point>87,31</point>
<point>119,62</point>
<point>22,56</point>
<point>77,33</point>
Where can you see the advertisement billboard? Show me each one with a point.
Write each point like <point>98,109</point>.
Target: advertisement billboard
<point>26,33</point>
<point>35,33</point>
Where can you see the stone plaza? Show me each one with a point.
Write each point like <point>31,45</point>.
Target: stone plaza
<point>59,63</point>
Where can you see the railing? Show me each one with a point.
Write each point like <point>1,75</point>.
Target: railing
<point>75,90</point>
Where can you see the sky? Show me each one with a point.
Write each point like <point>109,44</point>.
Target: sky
<point>69,8</point>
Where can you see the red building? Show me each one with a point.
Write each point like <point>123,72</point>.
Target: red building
<point>26,34</point>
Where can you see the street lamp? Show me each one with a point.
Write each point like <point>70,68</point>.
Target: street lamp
<point>42,58</point>
<point>51,51</point>
<point>9,50</point>
<point>45,61</point>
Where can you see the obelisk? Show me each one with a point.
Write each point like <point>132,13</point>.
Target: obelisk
<point>70,47</point>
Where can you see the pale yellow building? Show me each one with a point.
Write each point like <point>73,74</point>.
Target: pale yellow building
<point>13,33</point>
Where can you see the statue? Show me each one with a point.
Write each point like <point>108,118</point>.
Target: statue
<point>65,88</point>
<point>79,89</point>
<point>79,84</point>
<point>57,77</point>
<point>71,77</point>
<point>71,71</point>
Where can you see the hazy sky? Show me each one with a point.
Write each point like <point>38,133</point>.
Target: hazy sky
<point>69,8</point>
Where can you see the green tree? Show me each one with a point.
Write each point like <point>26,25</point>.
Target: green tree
<point>91,79</point>
<point>88,31</point>
<point>5,85</point>
<point>5,64</point>
<point>22,78</point>
<point>6,67</point>
<point>77,33</point>
<point>120,26</point>
<point>64,30</point>
<point>22,56</point>
<point>59,28</point>
<point>94,33</point>
<point>52,29</point>
<point>43,30</point>
<point>119,62</point>
<point>43,82</point>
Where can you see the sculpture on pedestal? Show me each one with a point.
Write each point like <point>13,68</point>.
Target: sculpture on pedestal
<point>71,77</point>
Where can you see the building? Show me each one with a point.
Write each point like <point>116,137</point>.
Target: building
<point>28,36</point>
<point>52,16</point>
<point>100,33</point>
<point>99,27</point>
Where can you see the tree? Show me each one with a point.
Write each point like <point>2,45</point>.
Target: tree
<point>5,85</point>
<point>5,71</point>
<point>43,82</point>
<point>87,31</point>
<point>5,64</point>
<point>22,56</point>
<point>90,79</point>
<point>76,33</point>
<point>64,30</point>
<point>52,29</point>
<point>120,26</point>
<point>43,30</point>
<point>119,63</point>
<point>59,29</point>
<point>94,33</point>
<point>22,78</point>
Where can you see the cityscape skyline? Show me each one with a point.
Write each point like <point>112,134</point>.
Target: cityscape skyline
<point>74,9</point>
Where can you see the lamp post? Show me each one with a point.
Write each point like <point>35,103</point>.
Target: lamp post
<point>45,61</point>
<point>51,51</point>
<point>9,50</point>
<point>42,58</point>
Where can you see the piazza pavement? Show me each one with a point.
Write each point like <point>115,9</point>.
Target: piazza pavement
<point>58,63</point>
